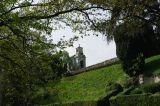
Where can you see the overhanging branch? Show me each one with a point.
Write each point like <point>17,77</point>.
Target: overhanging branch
<point>60,13</point>
<point>24,6</point>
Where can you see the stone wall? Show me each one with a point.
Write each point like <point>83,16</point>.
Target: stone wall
<point>96,66</point>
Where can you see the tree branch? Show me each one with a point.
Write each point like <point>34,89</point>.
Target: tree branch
<point>148,21</point>
<point>12,61</point>
<point>24,6</point>
<point>89,18</point>
<point>60,13</point>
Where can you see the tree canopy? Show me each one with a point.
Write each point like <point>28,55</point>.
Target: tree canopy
<point>127,11</point>
<point>134,25</point>
<point>28,58</point>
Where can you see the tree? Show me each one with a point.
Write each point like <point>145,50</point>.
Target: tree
<point>25,57</point>
<point>132,24</point>
<point>127,11</point>
<point>60,61</point>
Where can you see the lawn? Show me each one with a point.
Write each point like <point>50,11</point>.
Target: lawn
<point>91,86</point>
<point>88,86</point>
<point>152,66</point>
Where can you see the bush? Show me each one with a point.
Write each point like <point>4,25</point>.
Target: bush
<point>131,82</point>
<point>128,91</point>
<point>136,100</point>
<point>151,88</point>
<point>115,86</point>
<point>114,90</point>
<point>136,91</point>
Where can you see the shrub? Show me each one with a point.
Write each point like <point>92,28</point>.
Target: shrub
<point>128,91</point>
<point>136,91</point>
<point>136,100</point>
<point>131,82</point>
<point>151,88</point>
<point>116,86</point>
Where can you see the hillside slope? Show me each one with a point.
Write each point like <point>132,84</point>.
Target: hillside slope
<point>91,86</point>
<point>88,86</point>
<point>152,66</point>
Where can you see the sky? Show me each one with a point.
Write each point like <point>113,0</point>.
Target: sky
<point>95,48</point>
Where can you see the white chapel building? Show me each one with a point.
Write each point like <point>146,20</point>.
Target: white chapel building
<point>77,61</point>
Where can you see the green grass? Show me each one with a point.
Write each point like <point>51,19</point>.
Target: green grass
<point>152,66</point>
<point>91,86</point>
<point>88,86</point>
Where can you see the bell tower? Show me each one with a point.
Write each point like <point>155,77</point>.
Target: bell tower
<point>78,61</point>
<point>80,58</point>
<point>79,51</point>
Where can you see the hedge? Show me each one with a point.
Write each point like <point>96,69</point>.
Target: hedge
<point>80,103</point>
<point>136,100</point>
<point>151,88</point>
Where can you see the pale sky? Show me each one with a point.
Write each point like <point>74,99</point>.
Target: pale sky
<point>95,48</point>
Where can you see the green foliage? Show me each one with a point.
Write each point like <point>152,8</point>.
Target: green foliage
<point>136,100</point>
<point>127,11</point>
<point>152,65</point>
<point>44,96</point>
<point>131,26</point>
<point>115,86</point>
<point>79,103</point>
<point>131,58</point>
<point>59,63</point>
<point>88,86</point>
<point>136,91</point>
<point>127,91</point>
<point>25,62</point>
<point>133,81</point>
<point>132,50</point>
<point>24,70</point>
<point>151,88</point>
<point>27,58</point>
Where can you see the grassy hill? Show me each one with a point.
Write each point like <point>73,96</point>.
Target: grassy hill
<point>88,86</point>
<point>91,86</point>
<point>152,66</point>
